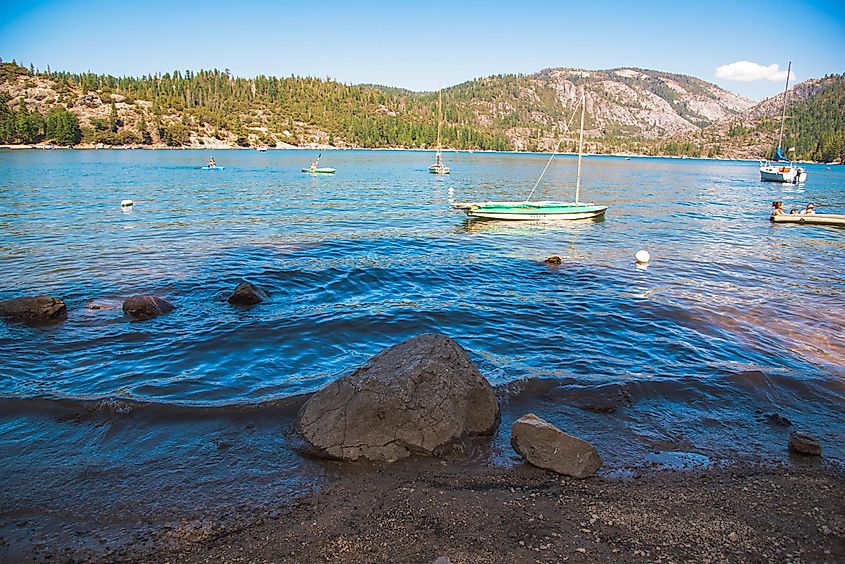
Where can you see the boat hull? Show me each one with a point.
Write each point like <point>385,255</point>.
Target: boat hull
<point>836,220</point>
<point>787,174</point>
<point>439,169</point>
<point>535,211</point>
<point>319,170</point>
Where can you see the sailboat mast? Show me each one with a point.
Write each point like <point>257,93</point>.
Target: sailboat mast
<point>783,114</point>
<point>580,147</point>
<point>439,119</point>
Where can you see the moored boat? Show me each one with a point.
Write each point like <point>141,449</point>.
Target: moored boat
<point>541,210</point>
<point>438,167</point>
<point>789,173</point>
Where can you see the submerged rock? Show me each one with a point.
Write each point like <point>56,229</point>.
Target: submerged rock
<point>602,398</point>
<point>37,309</point>
<point>247,294</point>
<point>142,308</point>
<point>416,397</point>
<point>553,259</point>
<point>544,445</point>
<point>803,443</point>
<point>778,419</point>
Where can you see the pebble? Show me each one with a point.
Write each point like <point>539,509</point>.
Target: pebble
<point>732,536</point>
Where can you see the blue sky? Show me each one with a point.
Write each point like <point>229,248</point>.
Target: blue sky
<point>424,46</point>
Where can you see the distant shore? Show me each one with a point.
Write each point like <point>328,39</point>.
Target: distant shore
<point>333,148</point>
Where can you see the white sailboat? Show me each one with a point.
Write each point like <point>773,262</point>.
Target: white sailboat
<point>438,167</point>
<point>775,172</point>
<point>540,210</point>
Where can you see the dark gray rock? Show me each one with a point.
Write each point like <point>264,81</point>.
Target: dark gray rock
<point>37,309</point>
<point>142,308</point>
<point>417,397</point>
<point>802,443</point>
<point>544,445</point>
<point>602,398</point>
<point>553,259</point>
<point>778,419</point>
<point>247,294</point>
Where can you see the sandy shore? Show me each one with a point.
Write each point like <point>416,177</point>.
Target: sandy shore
<point>420,510</point>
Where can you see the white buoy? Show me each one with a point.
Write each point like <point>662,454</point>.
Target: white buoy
<point>642,256</point>
<point>127,203</point>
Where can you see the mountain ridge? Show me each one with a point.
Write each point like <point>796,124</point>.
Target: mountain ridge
<point>629,110</point>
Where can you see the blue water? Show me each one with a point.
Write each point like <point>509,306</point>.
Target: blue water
<point>373,255</point>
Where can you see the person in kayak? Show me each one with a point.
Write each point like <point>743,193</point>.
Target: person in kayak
<point>211,163</point>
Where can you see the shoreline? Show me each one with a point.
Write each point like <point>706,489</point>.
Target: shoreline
<point>332,148</point>
<point>419,510</point>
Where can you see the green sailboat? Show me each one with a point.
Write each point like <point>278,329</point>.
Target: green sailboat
<point>542,210</point>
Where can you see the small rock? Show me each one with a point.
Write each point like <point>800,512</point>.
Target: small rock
<point>442,560</point>
<point>602,398</point>
<point>778,419</point>
<point>803,443</point>
<point>37,309</point>
<point>142,308</point>
<point>247,294</point>
<point>553,259</point>
<point>732,536</point>
<point>546,446</point>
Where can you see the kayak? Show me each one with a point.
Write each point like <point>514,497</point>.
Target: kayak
<point>320,170</point>
<point>836,220</point>
<point>213,167</point>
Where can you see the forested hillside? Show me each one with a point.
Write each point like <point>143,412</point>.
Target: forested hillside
<point>628,110</point>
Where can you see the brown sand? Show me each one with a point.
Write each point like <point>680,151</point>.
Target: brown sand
<point>419,510</point>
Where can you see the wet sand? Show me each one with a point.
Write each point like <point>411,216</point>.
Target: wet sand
<point>420,510</point>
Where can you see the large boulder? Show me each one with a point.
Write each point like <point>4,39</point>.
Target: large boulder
<point>416,397</point>
<point>544,445</point>
<point>37,309</point>
<point>246,294</point>
<point>142,308</point>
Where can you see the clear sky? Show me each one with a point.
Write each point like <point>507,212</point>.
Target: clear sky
<point>427,45</point>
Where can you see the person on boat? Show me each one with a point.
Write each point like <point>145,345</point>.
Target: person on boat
<point>211,163</point>
<point>778,208</point>
<point>794,211</point>
<point>809,210</point>
<point>314,165</point>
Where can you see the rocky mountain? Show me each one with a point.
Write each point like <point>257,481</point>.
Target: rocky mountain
<point>629,110</point>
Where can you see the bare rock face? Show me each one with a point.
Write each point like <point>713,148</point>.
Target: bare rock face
<point>416,397</point>
<point>247,294</point>
<point>37,309</point>
<point>142,308</point>
<point>803,443</point>
<point>544,445</point>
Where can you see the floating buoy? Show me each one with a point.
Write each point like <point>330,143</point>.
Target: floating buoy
<point>127,203</point>
<point>642,256</point>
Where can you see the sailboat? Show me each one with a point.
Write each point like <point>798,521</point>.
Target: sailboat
<point>542,210</point>
<point>314,169</point>
<point>774,172</point>
<point>438,167</point>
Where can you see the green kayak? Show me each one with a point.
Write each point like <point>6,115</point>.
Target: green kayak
<point>319,170</point>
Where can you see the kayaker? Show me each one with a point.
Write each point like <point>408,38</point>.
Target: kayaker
<point>211,163</point>
<point>778,208</point>
<point>809,210</point>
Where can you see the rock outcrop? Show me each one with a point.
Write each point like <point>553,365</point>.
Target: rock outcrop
<point>142,308</point>
<point>246,294</point>
<point>802,443</point>
<point>37,309</point>
<point>544,445</point>
<point>417,397</point>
